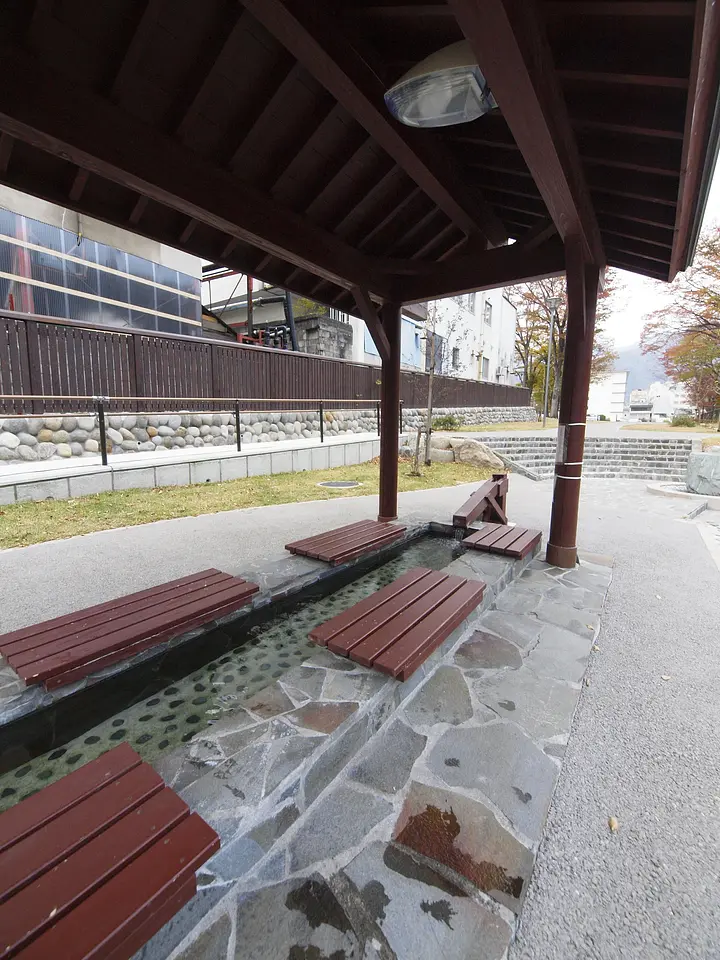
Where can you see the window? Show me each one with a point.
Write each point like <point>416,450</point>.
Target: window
<point>466,301</point>
<point>487,313</point>
<point>485,375</point>
<point>439,343</point>
<point>456,358</point>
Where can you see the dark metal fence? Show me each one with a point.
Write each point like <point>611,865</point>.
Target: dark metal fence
<point>49,362</point>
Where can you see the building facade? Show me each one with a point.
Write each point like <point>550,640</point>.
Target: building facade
<point>608,396</point>
<point>59,263</point>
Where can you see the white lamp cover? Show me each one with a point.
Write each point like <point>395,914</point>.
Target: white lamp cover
<point>444,89</point>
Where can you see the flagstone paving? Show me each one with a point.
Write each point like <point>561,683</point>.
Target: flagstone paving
<point>401,820</point>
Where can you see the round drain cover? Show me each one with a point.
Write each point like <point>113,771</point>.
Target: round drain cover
<point>340,484</point>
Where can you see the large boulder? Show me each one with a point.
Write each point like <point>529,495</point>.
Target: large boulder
<point>478,455</point>
<point>703,474</point>
<point>441,456</point>
<point>441,441</point>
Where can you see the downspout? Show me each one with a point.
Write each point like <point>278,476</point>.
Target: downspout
<point>290,318</point>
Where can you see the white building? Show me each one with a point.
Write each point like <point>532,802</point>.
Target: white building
<point>607,396</point>
<point>478,331</point>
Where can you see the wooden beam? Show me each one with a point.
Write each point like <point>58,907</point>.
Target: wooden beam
<point>623,79</point>
<point>538,235</point>
<point>636,247</point>
<point>616,226</point>
<point>6,146</point>
<point>643,211</point>
<point>218,64</point>
<point>138,46</point>
<point>372,321</point>
<point>647,268</point>
<point>78,185</point>
<point>492,268</point>
<point>700,117</point>
<point>138,210</point>
<point>312,37</point>
<point>508,39</point>
<point>51,113</point>
<point>613,8</point>
<point>625,152</point>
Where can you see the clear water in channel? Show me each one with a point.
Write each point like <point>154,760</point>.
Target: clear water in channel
<point>173,716</point>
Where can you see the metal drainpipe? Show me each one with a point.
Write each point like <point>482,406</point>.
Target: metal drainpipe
<point>290,317</point>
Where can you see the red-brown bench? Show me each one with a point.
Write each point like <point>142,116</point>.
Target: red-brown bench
<point>94,865</point>
<point>502,538</point>
<point>486,503</point>
<point>68,648</point>
<point>347,543</point>
<point>396,629</point>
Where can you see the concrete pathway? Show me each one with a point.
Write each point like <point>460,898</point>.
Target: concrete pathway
<point>643,749</point>
<point>644,746</point>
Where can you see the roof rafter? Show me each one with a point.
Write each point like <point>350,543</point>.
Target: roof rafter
<point>480,271</point>
<point>508,39</point>
<point>311,36</point>
<point>70,121</point>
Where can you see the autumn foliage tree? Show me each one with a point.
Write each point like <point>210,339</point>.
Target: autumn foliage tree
<point>685,333</point>
<point>532,335</point>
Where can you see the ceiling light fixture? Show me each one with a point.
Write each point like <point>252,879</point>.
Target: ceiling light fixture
<point>443,89</point>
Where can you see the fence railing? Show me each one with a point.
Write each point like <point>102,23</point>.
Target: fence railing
<point>47,360</point>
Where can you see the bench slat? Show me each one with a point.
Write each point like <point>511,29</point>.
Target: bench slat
<point>50,802</point>
<point>73,635</point>
<point>417,644</point>
<point>102,925</point>
<point>106,659</point>
<point>325,631</point>
<point>7,641</point>
<point>348,542</point>
<point>503,539</point>
<point>68,634</point>
<point>39,670</point>
<point>369,651</point>
<point>330,537</point>
<point>363,634</point>
<point>27,914</point>
<point>21,863</point>
<point>357,550</point>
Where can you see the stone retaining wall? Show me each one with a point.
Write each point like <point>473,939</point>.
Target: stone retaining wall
<point>56,438</point>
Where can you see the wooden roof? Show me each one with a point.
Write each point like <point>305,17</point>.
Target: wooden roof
<point>254,134</point>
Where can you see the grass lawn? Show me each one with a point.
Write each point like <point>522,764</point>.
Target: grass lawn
<point>711,442</point>
<point>24,523</point>
<point>666,428</point>
<point>513,425</point>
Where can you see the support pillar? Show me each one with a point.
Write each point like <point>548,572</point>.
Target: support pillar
<point>390,319</point>
<point>582,289</point>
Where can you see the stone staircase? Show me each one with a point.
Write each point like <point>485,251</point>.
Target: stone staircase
<point>631,458</point>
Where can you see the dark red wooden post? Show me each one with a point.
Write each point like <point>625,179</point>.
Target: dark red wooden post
<point>582,290</point>
<point>390,413</point>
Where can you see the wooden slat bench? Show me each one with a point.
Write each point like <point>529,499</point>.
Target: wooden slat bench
<point>504,539</point>
<point>94,865</point>
<point>486,503</point>
<point>397,628</point>
<point>68,648</point>
<point>347,543</point>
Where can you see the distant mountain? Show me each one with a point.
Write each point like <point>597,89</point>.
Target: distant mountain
<point>643,369</point>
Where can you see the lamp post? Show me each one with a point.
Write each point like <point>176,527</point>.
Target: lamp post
<point>552,304</point>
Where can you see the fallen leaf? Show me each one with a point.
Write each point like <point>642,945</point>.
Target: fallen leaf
<point>658,596</point>
<point>665,677</point>
<point>613,824</point>
<point>596,648</point>
<point>589,626</point>
<point>587,681</point>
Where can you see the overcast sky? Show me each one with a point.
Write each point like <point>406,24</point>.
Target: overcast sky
<point>641,295</point>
